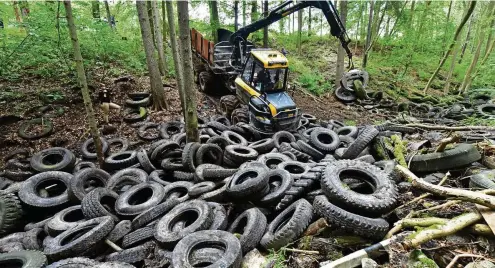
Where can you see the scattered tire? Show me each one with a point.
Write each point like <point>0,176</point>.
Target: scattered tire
<point>263,146</point>
<point>53,159</point>
<point>362,141</point>
<point>56,184</point>
<point>482,180</point>
<point>209,154</point>
<point>124,144</point>
<point>139,198</point>
<point>279,182</point>
<point>85,148</point>
<point>25,126</point>
<point>85,181</point>
<point>250,225</point>
<point>135,115</point>
<point>121,160</point>
<point>10,212</point>
<point>77,262</point>
<point>460,156</point>
<point>126,177</point>
<point>247,183</point>
<point>228,104</point>
<point>169,129</point>
<point>344,95</point>
<point>282,136</point>
<point>24,258</point>
<point>64,220</point>
<point>99,203</point>
<point>149,131</point>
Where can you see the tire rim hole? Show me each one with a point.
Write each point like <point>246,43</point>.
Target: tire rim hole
<point>197,258</point>
<point>246,176</point>
<point>176,193</point>
<point>241,151</point>
<point>294,169</point>
<point>274,182</point>
<point>284,139</point>
<point>52,159</point>
<point>368,187</point>
<point>74,216</point>
<point>345,132</point>
<point>284,221</point>
<point>325,138</point>
<point>141,196</point>
<point>51,188</point>
<point>184,219</point>
<point>121,156</point>
<point>15,264</point>
<point>239,229</point>
<point>108,203</point>
<point>75,235</point>
<point>235,139</point>
<point>93,183</point>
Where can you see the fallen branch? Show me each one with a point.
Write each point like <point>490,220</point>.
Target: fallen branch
<point>301,251</point>
<point>316,227</point>
<point>450,227</point>
<point>460,194</point>
<point>457,257</point>
<point>444,205</point>
<point>481,229</point>
<point>113,245</point>
<point>447,128</point>
<point>444,142</point>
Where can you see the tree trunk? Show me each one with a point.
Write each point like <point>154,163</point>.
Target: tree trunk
<point>164,29</point>
<point>236,15</point>
<point>294,22</point>
<point>448,79</point>
<point>309,21</point>
<point>368,35</point>
<point>18,17</point>
<point>83,83</point>
<point>190,117</point>
<point>468,37</point>
<point>109,17</point>
<point>452,44</point>
<point>214,20</point>
<point>157,92</point>
<point>341,52</point>
<point>265,30</point>
<point>490,35</point>
<point>159,38</point>
<point>447,23</point>
<point>150,17</point>
<point>175,52</point>
<point>281,22</point>
<point>362,31</point>
<point>95,9</point>
<point>387,27</point>
<point>254,11</point>
<point>244,13</point>
<point>299,31</point>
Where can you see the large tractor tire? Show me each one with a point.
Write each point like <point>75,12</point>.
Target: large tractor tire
<point>239,115</point>
<point>206,82</point>
<point>228,104</point>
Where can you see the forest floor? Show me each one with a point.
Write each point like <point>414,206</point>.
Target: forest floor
<point>22,100</point>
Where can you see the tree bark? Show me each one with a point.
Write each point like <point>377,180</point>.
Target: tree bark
<point>309,21</point>
<point>468,37</point>
<point>447,22</point>
<point>157,92</point>
<point>339,70</point>
<point>214,20</point>
<point>150,17</point>
<point>368,35</point>
<point>244,13</point>
<point>448,79</point>
<point>236,15</point>
<point>190,117</point>
<point>294,22</point>
<point>164,29</point>
<point>95,9</point>
<point>162,66</point>
<point>109,17</point>
<point>265,30</point>
<point>83,82</point>
<point>175,52</point>
<point>299,31</point>
<point>281,22</point>
<point>452,44</point>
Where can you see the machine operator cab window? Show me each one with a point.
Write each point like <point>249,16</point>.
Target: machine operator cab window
<point>266,79</point>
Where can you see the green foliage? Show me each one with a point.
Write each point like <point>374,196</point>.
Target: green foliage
<point>278,257</point>
<point>475,121</point>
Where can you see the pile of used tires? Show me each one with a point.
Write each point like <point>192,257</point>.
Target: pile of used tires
<point>198,204</point>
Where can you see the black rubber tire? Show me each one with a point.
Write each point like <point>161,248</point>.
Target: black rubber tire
<point>285,148</point>
<point>189,155</point>
<point>148,194</point>
<point>144,161</point>
<point>240,115</point>
<point>247,183</point>
<point>177,191</point>
<point>250,225</point>
<point>121,160</point>
<point>29,193</point>
<point>172,164</point>
<point>183,175</point>
<point>119,231</point>
<point>24,258</point>
<point>10,212</point>
<point>33,239</point>
<point>396,128</point>
<point>82,183</point>
<point>82,165</point>
<point>324,140</point>
<point>126,177</point>
<point>209,154</point>
<point>272,160</point>
<point>64,161</point>
<point>239,154</point>
<point>220,219</point>
<point>344,95</point>
<point>366,158</point>
<point>296,169</point>
<point>382,200</point>
<point>263,146</point>
<point>153,213</point>
<point>140,235</point>
<point>288,225</point>
<point>349,131</point>
<point>460,156</point>
<point>362,141</point>
<point>77,262</point>
<point>191,250</point>
<point>138,102</point>
<point>47,130</point>
<point>65,219</point>
<point>482,180</point>
<point>201,188</point>
<point>282,136</point>
<point>228,104</point>
<point>362,226</point>
<point>131,255</point>
<point>486,110</point>
<point>280,181</point>
<point>93,231</point>
<point>135,115</point>
<point>145,128</point>
<point>202,220</point>
<point>212,172</point>
<point>218,140</point>
<point>161,177</point>
<point>310,150</point>
<point>122,141</point>
<point>98,203</point>
<point>168,129</point>
<point>92,155</point>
